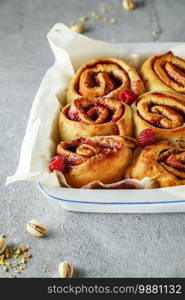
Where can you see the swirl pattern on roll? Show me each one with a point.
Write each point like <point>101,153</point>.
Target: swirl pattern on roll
<point>104,77</point>
<point>96,158</point>
<point>87,117</point>
<point>164,72</point>
<point>173,160</point>
<point>164,112</point>
<point>164,161</point>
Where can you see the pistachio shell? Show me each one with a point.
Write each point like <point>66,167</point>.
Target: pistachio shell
<point>36,228</point>
<point>66,269</point>
<point>77,28</point>
<point>3,244</point>
<point>128,4</point>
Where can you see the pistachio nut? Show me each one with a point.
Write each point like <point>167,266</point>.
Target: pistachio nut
<point>77,28</point>
<point>3,244</point>
<point>128,4</point>
<point>36,228</point>
<point>66,269</point>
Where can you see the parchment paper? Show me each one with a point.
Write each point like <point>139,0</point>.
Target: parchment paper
<point>41,137</point>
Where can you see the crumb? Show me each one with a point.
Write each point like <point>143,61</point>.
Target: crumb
<point>155,33</point>
<point>113,20</point>
<point>103,10</point>
<point>105,19</point>
<point>83,19</point>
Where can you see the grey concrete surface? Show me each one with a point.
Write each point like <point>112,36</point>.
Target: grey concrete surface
<point>99,245</point>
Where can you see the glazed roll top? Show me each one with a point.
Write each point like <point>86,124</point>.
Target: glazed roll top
<point>164,161</point>
<point>164,72</point>
<point>97,158</point>
<point>104,77</point>
<point>163,112</point>
<point>87,117</point>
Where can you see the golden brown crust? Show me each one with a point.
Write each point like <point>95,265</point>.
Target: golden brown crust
<point>105,76</point>
<point>96,158</point>
<point>94,124</point>
<point>87,117</point>
<point>164,161</point>
<point>163,112</point>
<point>164,72</point>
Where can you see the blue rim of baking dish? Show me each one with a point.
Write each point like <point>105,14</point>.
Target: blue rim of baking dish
<point>108,203</point>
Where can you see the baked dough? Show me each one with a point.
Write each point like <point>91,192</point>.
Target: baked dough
<point>105,76</point>
<point>163,112</point>
<point>164,72</point>
<point>87,117</point>
<point>163,161</point>
<point>95,158</point>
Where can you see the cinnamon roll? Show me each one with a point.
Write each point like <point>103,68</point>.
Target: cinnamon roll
<point>164,161</point>
<point>163,112</point>
<point>106,77</point>
<point>96,158</point>
<point>87,117</point>
<point>164,72</point>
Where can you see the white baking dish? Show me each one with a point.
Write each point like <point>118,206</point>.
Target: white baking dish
<point>117,201</point>
<point>122,201</point>
<point>41,137</point>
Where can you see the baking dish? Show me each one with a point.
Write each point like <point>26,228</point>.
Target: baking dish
<point>122,201</point>
<point>118,201</point>
<point>40,140</point>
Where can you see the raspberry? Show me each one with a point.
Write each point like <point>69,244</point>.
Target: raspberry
<point>127,96</point>
<point>57,163</point>
<point>146,137</point>
<point>73,114</point>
